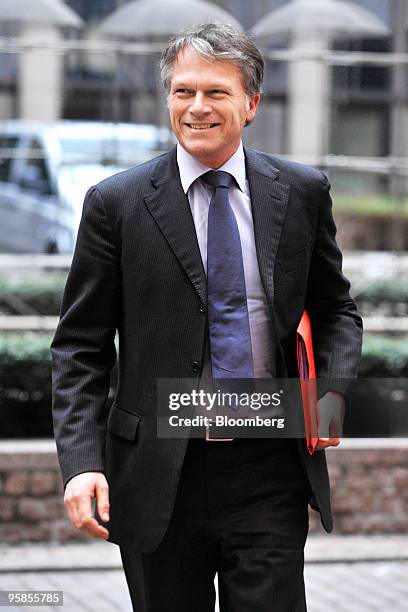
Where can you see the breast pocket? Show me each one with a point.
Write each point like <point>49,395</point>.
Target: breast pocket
<point>123,423</point>
<point>296,260</point>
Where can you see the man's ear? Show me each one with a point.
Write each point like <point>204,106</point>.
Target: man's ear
<point>253,102</point>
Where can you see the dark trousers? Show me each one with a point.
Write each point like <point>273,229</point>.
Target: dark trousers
<point>241,512</point>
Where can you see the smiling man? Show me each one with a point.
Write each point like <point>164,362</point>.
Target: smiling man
<point>209,106</point>
<point>204,260</point>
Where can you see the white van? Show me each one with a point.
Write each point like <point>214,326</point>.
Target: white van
<point>46,169</point>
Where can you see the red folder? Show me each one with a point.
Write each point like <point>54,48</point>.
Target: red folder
<point>308,382</point>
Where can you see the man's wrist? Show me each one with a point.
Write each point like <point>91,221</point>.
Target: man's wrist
<point>81,472</point>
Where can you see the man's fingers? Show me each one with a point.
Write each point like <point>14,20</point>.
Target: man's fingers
<point>326,442</point>
<point>86,521</point>
<point>72,512</point>
<point>324,425</point>
<point>94,530</point>
<point>329,429</point>
<point>79,495</point>
<point>102,500</point>
<point>336,428</point>
<point>89,525</point>
<point>84,507</point>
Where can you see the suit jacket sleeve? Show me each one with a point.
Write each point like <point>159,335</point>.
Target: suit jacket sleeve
<point>336,325</point>
<point>83,350</point>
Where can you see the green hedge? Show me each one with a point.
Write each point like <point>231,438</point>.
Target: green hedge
<point>43,295</point>
<point>25,378</point>
<point>19,350</point>
<point>25,386</point>
<point>386,291</point>
<point>386,297</point>
<point>370,205</point>
<point>384,356</point>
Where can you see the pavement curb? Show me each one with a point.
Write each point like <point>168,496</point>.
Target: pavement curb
<point>106,556</point>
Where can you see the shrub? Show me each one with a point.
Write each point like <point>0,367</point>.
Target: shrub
<point>25,378</point>
<point>23,296</point>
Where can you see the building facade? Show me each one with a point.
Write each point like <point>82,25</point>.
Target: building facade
<point>368,104</point>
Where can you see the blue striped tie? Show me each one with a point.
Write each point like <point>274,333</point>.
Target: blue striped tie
<point>228,321</point>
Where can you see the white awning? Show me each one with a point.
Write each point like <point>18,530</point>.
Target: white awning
<point>145,18</point>
<point>339,17</point>
<point>50,12</point>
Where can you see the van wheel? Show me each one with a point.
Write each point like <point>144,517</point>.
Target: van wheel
<point>52,248</point>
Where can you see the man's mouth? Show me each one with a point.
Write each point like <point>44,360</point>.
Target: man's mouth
<point>201,126</point>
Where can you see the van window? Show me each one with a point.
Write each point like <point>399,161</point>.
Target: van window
<point>36,159</point>
<point>35,173</point>
<point>108,149</point>
<point>8,146</point>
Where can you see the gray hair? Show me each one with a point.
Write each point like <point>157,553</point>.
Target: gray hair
<point>216,42</point>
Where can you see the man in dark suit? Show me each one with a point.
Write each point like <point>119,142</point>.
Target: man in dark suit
<point>203,259</point>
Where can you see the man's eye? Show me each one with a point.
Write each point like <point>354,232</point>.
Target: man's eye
<point>184,91</point>
<point>216,92</point>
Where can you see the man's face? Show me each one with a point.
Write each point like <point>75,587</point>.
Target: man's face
<point>209,107</point>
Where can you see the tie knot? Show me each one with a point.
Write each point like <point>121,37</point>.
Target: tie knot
<point>218,178</point>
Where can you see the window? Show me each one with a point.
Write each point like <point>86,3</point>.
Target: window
<point>36,160</point>
<point>8,145</point>
<point>35,173</point>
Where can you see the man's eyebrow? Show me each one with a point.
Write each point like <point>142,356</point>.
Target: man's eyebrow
<point>218,86</point>
<point>182,84</point>
<point>210,86</point>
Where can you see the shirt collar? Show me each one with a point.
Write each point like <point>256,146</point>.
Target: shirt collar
<point>191,169</point>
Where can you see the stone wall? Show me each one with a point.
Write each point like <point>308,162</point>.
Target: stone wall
<point>369,486</point>
<point>31,494</point>
<point>371,232</point>
<point>369,481</point>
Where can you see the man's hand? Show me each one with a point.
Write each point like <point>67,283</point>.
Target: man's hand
<point>79,493</point>
<point>331,408</point>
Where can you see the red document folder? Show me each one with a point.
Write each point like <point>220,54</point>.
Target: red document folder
<point>308,382</point>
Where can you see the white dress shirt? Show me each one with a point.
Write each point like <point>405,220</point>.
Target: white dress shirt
<point>199,196</point>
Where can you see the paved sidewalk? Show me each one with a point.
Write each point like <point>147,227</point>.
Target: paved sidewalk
<point>346,574</point>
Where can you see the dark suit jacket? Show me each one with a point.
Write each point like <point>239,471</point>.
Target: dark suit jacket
<point>137,268</point>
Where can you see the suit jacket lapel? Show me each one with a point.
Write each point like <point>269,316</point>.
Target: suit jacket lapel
<point>170,208</point>
<point>269,199</point>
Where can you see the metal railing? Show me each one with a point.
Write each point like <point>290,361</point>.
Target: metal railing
<point>331,57</point>
<point>384,263</point>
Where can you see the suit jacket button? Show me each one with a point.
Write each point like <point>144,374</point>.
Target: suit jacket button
<point>202,308</point>
<point>195,366</point>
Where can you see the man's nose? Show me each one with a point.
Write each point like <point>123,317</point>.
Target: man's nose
<point>199,105</point>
